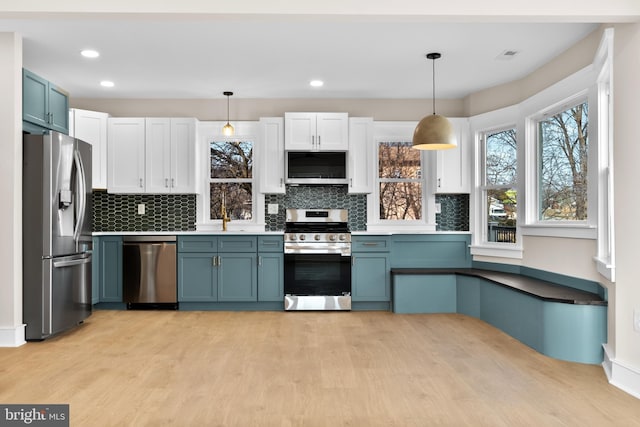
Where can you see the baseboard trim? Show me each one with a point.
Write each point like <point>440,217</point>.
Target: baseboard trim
<point>12,337</point>
<point>620,375</point>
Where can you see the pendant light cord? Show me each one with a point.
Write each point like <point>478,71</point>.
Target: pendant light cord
<point>228,109</point>
<point>433,74</point>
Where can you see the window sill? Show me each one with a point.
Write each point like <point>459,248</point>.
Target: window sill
<point>568,231</point>
<point>497,250</point>
<point>606,268</point>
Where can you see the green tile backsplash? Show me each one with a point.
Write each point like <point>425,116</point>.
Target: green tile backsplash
<point>454,214</point>
<point>163,212</point>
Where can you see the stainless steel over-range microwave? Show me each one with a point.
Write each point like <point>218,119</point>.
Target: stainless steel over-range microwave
<point>317,167</point>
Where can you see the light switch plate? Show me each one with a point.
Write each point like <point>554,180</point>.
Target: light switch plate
<point>141,209</point>
<point>438,208</point>
<point>272,208</point>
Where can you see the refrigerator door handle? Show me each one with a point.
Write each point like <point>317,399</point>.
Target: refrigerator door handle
<point>71,261</point>
<point>81,196</point>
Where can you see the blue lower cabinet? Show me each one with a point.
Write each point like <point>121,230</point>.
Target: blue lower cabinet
<point>370,278</point>
<point>109,271</point>
<point>432,293</point>
<point>197,277</point>
<point>237,277</point>
<point>271,276</point>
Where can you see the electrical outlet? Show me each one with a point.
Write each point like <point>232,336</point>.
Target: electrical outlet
<point>272,208</point>
<point>438,208</point>
<point>636,320</point>
<point>141,209</point>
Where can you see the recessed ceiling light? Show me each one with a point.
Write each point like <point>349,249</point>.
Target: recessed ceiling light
<point>90,53</point>
<point>106,83</point>
<point>316,83</point>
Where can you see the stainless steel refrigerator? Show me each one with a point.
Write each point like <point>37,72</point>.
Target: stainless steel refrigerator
<point>56,233</point>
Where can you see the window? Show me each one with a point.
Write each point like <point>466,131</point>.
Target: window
<point>499,186</point>
<point>563,143</point>
<point>399,181</point>
<point>231,179</point>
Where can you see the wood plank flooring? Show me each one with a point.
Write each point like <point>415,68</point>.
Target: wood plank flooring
<point>154,368</point>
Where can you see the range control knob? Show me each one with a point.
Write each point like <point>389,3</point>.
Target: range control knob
<point>291,237</point>
<point>302,237</point>
<point>316,237</point>
<point>343,237</point>
<point>332,237</point>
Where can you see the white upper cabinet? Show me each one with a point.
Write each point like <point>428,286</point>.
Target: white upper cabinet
<point>166,147</point>
<point>453,165</point>
<point>91,127</point>
<point>316,131</point>
<point>125,152</point>
<point>361,155</point>
<point>170,155</point>
<point>271,155</point>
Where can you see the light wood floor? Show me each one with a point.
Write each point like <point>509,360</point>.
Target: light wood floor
<point>152,368</point>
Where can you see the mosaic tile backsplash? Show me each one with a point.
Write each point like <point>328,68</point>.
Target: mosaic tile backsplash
<point>163,212</point>
<point>177,212</point>
<point>454,214</point>
<point>317,197</point>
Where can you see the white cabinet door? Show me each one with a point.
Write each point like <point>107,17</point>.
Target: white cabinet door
<point>158,155</point>
<point>91,127</point>
<point>452,166</point>
<point>332,131</point>
<point>183,155</point>
<point>300,131</point>
<point>316,131</point>
<point>361,155</point>
<point>272,155</point>
<point>125,151</point>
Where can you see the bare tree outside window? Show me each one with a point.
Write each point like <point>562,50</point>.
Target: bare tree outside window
<point>400,178</point>
<point>500,189</point>
<point>563,167</point>
<point>231,167</point>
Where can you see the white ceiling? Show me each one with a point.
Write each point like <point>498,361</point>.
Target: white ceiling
<point>276,58</point>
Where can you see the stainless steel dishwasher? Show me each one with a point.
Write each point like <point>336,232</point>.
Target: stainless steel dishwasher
<point>149,272</point>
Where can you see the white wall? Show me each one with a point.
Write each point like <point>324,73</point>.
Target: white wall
<point>11,328</point>
<point>626,352</point>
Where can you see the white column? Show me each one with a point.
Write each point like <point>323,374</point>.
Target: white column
<point>11,326</point>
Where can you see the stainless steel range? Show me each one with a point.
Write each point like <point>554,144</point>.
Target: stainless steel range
<point>317,260</point>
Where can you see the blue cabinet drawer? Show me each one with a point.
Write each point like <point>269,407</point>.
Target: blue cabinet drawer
<point>270,243</point>
<point>197,243</point>
<point>370,244</point>
<point>237,244</point>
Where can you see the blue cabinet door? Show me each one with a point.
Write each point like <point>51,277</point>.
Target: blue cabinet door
<point>58,109</point>
<point>237,277</point>
<point>270,276</point>
<point>44,104</point>
<point>197,277</point>
<point>370,277</point>
<point>35,99</point>
<point>110,269</point>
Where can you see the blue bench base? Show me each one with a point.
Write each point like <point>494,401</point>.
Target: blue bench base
<point>571,329</point>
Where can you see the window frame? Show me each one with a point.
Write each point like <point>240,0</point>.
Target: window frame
<point>481,125</point>
<point>571,91</point>
<point>400,132</point>
<point>212,131</point>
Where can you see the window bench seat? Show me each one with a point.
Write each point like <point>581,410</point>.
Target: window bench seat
<point>560,321</point>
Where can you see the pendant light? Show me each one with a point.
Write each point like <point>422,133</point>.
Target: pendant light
<point>434,132</point>
<point>228,130</point>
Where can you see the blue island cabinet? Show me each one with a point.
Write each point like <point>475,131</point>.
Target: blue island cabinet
<point>215,268</point>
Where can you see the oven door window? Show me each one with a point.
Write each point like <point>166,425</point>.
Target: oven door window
<point>317,274</point>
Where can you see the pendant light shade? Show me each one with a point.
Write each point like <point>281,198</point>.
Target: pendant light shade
<point>434,132</point>
<point>228,130</point>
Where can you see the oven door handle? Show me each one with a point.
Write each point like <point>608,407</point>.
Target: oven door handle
<point>346,252</point>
